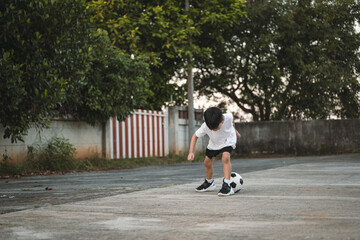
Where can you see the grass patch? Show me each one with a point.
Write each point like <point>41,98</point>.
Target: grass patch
<point>96,163</point>
<point>57,156</point>
<point>6,168</point>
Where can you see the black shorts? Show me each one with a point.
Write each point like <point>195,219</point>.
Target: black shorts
<point>213,153</point>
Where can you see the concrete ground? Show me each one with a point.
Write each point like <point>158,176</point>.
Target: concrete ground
<point>298,198</point>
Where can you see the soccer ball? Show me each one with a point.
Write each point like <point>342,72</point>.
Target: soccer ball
<point>236,181</point>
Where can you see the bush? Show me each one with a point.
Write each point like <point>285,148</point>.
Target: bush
<point>7,168</point>
<point>56,155</point>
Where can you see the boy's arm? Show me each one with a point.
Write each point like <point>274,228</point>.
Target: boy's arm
<point>192,147</point>
<point>236,131</point>
<point>237,134</point>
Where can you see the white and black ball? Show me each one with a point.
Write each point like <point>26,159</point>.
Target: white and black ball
<point>236,181</point>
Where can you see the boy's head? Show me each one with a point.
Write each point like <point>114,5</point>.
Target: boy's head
<point>213,118</point>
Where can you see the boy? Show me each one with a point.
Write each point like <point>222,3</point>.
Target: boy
<point>219,127</point>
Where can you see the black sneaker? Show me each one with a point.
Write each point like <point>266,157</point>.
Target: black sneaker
<point>206,187</point>
<point>226,190</point>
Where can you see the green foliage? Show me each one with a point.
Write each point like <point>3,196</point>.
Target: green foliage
<point>54,63</point>
<point>115,84</point>
<point>151,29</point>
<point>55,155</point>
<point>166,34</point>
<point>44,50</point>
<point>57,60</point>
<point>288,60</point>
<point>319,49</point>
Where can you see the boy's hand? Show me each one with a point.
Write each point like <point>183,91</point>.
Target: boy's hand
<point>191,156</point>
<point>237,134</point>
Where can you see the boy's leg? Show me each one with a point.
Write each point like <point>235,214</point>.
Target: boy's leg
<point>209,169</point>
<point>226,164</point>
<point>226,189</point>
<point>207,186</point>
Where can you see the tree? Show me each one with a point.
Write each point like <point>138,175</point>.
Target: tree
<point>288,60</point>
<point>320,52</point>
<point>55,63</point>
<point>42,52</point>
<point>114,84</point>
<point>160,31</point>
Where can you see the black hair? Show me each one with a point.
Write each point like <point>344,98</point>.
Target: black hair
<point>213,117</point>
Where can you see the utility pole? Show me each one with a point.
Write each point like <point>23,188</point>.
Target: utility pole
<point>190,87</point>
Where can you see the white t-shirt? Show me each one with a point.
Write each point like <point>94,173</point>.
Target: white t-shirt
<point>224,137</point>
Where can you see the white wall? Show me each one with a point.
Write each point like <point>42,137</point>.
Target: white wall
<point>86,139</point>
<point>178,132</point>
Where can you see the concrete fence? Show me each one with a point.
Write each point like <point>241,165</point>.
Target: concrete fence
<point>88,140</point>
<point>299,137</point>
<point>178,130</point>
<point>145,133</point>
<point>151,133</point>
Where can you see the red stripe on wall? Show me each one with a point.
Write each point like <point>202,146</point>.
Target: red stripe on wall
<point>147,136</point>
<point>137,135</point>
<point>120,139</point>
<point>143,134</point>
<point>114,137</point>
<point>126,138</point>
<point>148,132</point>
<point>132,135</point>
<point>163,136</point>
<point>153,134</point>
<point>158,134</point>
